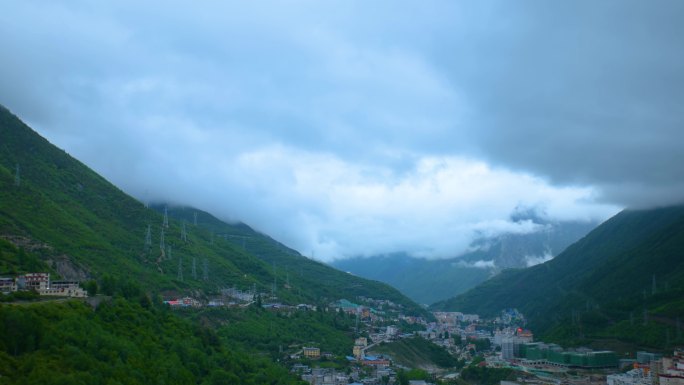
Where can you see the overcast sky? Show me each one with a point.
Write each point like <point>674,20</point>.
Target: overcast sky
<point>346,128</point>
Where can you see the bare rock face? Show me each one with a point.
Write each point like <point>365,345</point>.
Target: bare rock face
<point>68,269</point>
<point>62,264</point>
<point>27,243</point>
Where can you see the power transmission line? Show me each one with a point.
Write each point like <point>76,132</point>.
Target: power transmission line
<point>17,177</point>
<point>148,239</point>
<point>162,244</point>
<point>166,218</point>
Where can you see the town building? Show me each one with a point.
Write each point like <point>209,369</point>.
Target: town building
<point>553,354</point>
<point>64,289</point>
<point>670,370</point>
<point>7,285</point>
<point>310,352</point>
<point>33,281</point>
<point>41,284</point>
<point>632,377</point>
<point>358,351</point>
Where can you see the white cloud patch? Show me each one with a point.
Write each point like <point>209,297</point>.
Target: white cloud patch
<point>329,208</point>
<point>481,264</point>
<point>531,260</point>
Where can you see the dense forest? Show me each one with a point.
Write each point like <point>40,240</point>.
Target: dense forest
<point>122,341</point>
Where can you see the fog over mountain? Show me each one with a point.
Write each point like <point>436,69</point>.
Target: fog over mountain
<point>348,128</point>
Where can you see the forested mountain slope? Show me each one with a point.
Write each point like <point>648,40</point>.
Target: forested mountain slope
<point>624,280</point>
<point>65,216</point>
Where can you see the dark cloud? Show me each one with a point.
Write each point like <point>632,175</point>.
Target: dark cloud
<point>582,92</point>
<point>342,119</point>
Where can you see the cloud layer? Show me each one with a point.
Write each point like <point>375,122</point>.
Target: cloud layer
<point>353,128</point>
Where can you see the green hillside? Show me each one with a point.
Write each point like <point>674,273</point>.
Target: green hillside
<point>416,353</point>
<point>623,282</point>
<point>70,218</point>
<point>121,342</point>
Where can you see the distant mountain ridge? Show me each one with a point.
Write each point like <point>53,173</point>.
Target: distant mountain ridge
<point>72,217</point>
<point>624,281</point>
<point>429,281</point>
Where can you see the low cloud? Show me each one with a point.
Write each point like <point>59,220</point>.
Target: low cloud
<point>481,264</point>
<point>531,260</point>
<point>355,128</point>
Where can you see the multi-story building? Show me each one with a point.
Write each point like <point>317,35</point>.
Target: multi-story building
<point>311,352</point>
<point>64,289</point>
<point>670,370</point>
<point>358,352</point>
<point>34,281</point>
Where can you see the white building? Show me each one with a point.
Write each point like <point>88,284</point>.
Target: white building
<point>633,377</point>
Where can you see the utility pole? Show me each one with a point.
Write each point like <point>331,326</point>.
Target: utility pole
<point>148,239</point>
<point>180,269</point>
<point>194,268</point>
<point>194,218</point>
<point>184,234</point>
<point>166,218</point>
<point>205,272</point>
<point>645,316</point>
<point>17,177</point>
<point>162,244</point>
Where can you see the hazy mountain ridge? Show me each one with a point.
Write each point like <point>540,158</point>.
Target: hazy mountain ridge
<point>624,280</point>
<point>429,281</point>
<point>57,201</point>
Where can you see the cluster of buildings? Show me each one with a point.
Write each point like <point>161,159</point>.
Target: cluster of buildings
<point>363,312</point>
<point>378,373</point>
<point>454,318</point>
<point>41,284</point>
<point>652,368</point>
<point>184,302</point>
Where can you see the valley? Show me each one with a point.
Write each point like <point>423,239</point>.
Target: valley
<point>227,303</point>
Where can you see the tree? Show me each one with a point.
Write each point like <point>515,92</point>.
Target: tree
<point>91,287</point>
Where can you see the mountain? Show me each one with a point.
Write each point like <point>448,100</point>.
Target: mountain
<point>58,216</point>
<point>79,226</point>
<point>623,281</point>
<point>429,281</point>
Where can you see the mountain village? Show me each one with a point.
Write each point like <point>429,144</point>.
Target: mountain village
<point>502,342</point>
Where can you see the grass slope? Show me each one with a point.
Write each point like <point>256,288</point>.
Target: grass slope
<point>416,353</point>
